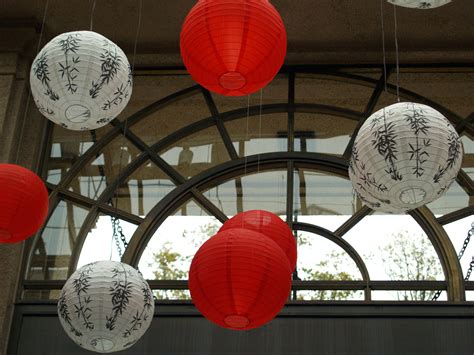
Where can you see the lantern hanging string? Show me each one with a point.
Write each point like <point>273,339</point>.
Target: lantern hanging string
<point>117,229</point>
<point>259,129</point>
<point>383,46</point>
<point>92,15</point>
<point>38,47</point>
<point>396,51</point>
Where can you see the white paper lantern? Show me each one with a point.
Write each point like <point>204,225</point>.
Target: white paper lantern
<point>81,80</point>
<point>404,156</point>
<point>418,4</point>
<point>106,306</point>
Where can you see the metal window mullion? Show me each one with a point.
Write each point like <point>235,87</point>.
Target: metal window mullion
<point>220,124</point>
<point>351,222</point>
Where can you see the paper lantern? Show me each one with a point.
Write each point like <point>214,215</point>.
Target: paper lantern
<point>239,279</point>
<point>233,47</point>
<point>404,156</point>
<point>81,80</point>
<point>418,4</point>
<point>106,306</point>
<point>268,224</point>
<point>23,203</point>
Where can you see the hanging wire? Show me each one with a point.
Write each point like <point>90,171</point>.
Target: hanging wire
<point>383,46</point>
<point>116,227</point>
<point>38,47</point>
<point>396,51</point>
<point>259,129</point>
<point>92,15</point>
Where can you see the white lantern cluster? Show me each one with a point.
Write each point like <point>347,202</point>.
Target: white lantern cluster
<point>419,4</point>
<point>106,306</point>
<point>405,155</point>
<point>81,80</point>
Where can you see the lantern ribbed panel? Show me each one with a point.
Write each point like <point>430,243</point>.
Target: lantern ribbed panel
<point>405,156</point>
<point>106,306</point>
<point>239,279</point>
<point>270,225</point>
<point>419,4</point>
<point>23,203</point>
<point>233,47</point>
<point>81,80</point>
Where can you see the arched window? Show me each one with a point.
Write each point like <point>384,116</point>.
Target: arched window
<point>150,187</point>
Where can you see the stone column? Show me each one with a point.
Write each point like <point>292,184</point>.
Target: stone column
<point>21,129</point>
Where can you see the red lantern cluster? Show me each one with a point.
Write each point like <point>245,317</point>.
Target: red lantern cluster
<point>233,47</point>
<point>240,278</point>
<point>23,203</point>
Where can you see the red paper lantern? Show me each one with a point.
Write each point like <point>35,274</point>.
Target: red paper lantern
<point>239,279</point>
<point>23,203</point>
<point>233,47</point>
<point>270,225</point>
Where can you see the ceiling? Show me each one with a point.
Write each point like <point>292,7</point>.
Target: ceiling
<point>319,31</point>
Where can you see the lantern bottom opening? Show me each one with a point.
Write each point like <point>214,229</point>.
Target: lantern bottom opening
<point>236,321</point>
<point>102,344</point>
<point>232,80</point>
<point>5,234</point>
<point>412,195</point>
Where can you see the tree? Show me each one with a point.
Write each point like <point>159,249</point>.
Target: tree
<point>413,258</point>
<point>170,264</point>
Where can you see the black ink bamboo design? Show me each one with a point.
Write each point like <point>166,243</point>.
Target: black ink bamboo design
<point>424,5</point>
<point>81,286</point>
<point>65,315</point>
<point>111,62</point>
<point>120,292</point>
<point>385,143</point>
<point>41,71</point>
<point>121,93</point>
<point>44,110</point>
<point>138,318</point>
<point>70,45</point>
<point>368,180</point>
<point>454,152</point>
<point>419,124</point>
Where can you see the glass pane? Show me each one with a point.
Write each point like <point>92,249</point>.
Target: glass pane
<point>41,294</point>
<point>104,169</point>
<point>458,232</point>
<point>265,191</point>
<point>67,147</point>
<point>169,252</point>
<point>275,92</point>
<point>148,89</point>
<point>332,91</point>
<point>172,294</point>
<point>319,259</point>
<point>170,118</point>
<point>452,90</point>
<point>330,295</point>
<point>468,159</point>
<point>101,244</point>
<point>197,152</point>
<point>322,133</point>
<point>143,190</point>
<point>52,252</point>
<point>452,200</point>
<point>323,199</point>
<point>257,135</point>
<point>394,247</point>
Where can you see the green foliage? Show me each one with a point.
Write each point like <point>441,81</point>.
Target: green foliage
<point>411,258</point>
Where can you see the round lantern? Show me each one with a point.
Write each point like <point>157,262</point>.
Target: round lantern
<point>239,279</point>
<point>270,225</point>
<point>81,80</point>
<point>233,47</point>
<point>106,306</point>
<point>23,203</point>
<point>404,156</point>
<point>418,4</point>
